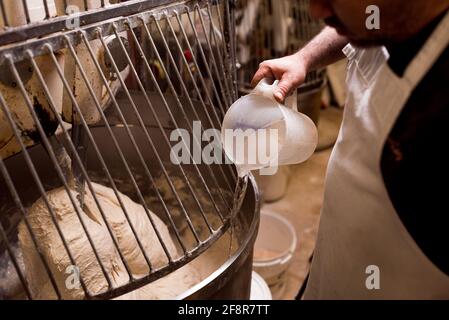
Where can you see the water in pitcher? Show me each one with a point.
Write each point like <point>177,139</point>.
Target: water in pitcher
<point>253,149</point>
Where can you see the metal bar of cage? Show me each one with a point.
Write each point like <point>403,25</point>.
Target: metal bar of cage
<point>37,180</point>
<point>174,91</point>
<point>131,10</point>
<point>89,16</point>
<point>168,109</point>
<point>128,17</point>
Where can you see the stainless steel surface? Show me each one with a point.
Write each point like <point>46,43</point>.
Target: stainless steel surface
<point>232,280</point>
<point>89,12</point>
<point>99,106</point>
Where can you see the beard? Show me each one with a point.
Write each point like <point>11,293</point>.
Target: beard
<point>367,41</point>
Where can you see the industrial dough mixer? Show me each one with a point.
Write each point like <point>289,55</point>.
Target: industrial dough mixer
<point>90,94</point>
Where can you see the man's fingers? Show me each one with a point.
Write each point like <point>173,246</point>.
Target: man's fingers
<point>285,86</point>
<point>263,72</point>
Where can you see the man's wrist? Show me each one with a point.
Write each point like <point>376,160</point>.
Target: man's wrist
<point>304,58</point>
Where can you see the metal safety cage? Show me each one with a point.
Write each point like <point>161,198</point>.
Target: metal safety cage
<point>98,103</point>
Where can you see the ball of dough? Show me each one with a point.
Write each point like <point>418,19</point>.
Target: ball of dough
<point>52,248</point>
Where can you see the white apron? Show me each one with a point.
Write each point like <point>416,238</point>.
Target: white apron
<point>359,226</point>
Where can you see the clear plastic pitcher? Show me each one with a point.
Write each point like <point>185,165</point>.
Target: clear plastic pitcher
<point>290,137</point>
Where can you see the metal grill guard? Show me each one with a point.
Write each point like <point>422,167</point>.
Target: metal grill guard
<point>106,96</point>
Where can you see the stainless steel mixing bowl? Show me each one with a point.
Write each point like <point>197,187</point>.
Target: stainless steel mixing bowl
<point>229,278</point>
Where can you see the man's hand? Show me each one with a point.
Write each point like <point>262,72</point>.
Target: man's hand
<point>324,49</point>
<point>291,72</point>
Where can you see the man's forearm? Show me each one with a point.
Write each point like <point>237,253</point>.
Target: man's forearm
<point>291,71</point>
<point>323,50</point>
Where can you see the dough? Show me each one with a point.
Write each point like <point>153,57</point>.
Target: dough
<point>52,248</point>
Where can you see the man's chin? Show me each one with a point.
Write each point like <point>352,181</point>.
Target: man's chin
<point>360,42</point>
<point>366,43</point>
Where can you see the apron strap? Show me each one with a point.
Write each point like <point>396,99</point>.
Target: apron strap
<point>429,54</point>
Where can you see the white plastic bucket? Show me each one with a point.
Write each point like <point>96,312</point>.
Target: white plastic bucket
<point>259,288</point>
<point>274,248</point>
<point>273,187</point>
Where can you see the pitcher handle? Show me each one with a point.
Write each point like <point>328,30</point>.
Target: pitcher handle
<point>292,100</point>
<point>266,88</point>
